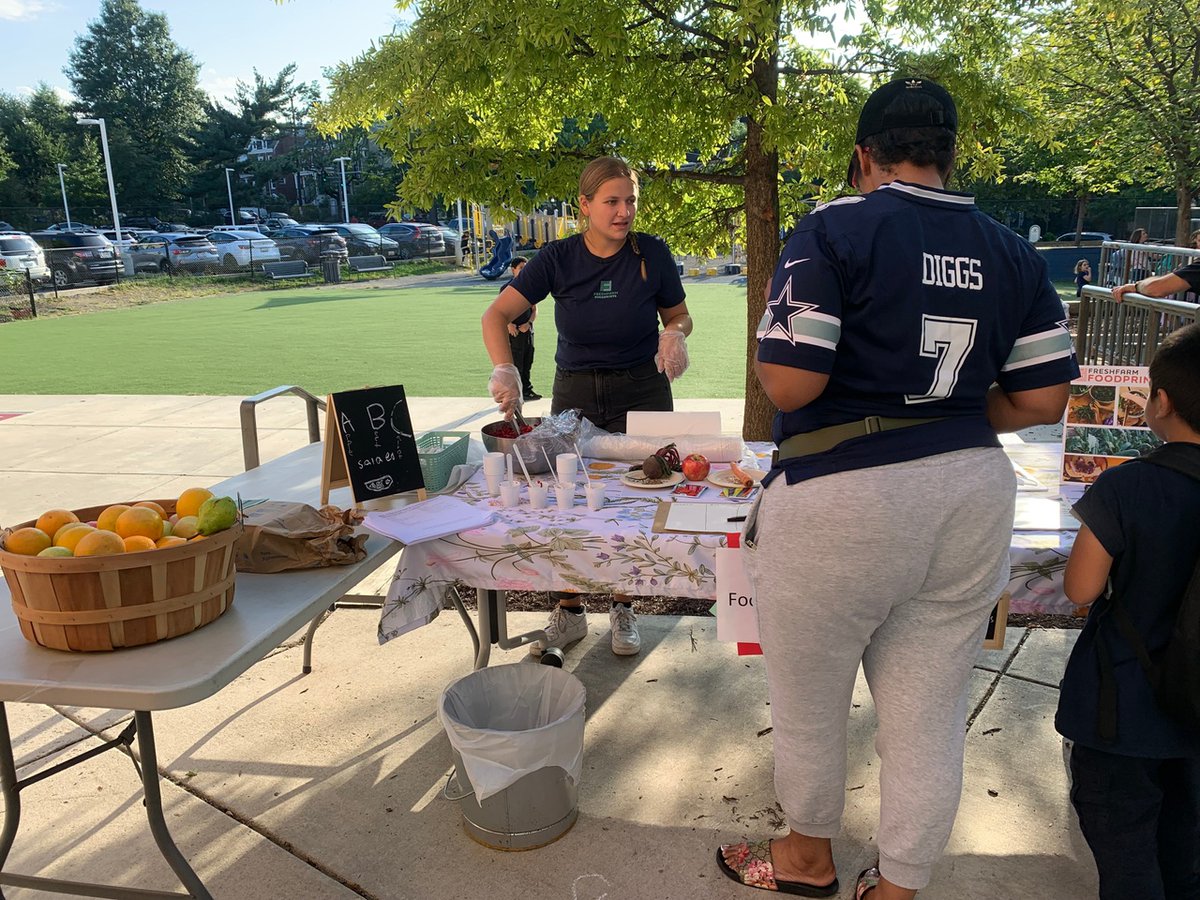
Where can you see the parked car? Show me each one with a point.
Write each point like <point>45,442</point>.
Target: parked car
<point>415,239</point>
<point>279,221</point>
<point>1069,237</point>
<point>149,250</point>
<point>452,236</point>
<point>150,223</point>
<point>20,253</point>
<point>188,252</point>
<point>363,240</point>
<point>73,226</point>
<point>75,256</point>
<point>308,242</point>
<point>128,238</point>
<point>243,249</point>
<point>4,226</point>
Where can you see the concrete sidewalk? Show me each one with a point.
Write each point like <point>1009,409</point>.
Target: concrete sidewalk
<point>328,786</point>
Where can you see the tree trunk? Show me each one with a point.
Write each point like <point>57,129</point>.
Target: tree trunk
<point>1183,212</point>
<point>1081,205</point>
<point>762,244</point>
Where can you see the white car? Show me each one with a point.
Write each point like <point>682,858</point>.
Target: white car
<point>243,249</point>
<point>21,253</point>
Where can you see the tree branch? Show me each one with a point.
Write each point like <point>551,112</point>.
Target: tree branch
<point>675,23</point>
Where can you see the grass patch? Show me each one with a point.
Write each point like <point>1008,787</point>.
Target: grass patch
<point>425,337</point>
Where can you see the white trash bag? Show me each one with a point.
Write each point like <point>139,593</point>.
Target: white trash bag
<point>509,721</point>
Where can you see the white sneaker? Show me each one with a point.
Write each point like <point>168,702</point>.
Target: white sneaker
<point>563,630</point>
<point>625,638</point>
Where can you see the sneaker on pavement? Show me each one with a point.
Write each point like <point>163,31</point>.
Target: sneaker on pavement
<point>563,630</point>
<point>533,395</point>
<point>625,638</point>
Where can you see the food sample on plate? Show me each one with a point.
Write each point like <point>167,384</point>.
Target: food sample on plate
<point>1077,467</point>
<point>1132,406</point>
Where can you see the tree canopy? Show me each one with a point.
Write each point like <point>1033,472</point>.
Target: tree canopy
<point>739,113</point>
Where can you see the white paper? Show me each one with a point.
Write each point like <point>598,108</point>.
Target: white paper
<point>706,518</point>
<point>737,619</point>
<point>427,520</point>
<point>672,424</point>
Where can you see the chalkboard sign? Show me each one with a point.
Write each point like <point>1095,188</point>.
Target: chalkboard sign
<point>370,445</point>
<point>993,637</point>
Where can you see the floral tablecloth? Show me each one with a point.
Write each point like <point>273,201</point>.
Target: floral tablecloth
<point>614,550</point>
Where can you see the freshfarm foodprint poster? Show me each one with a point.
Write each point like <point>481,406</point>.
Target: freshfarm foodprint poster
<point>1105,423</point>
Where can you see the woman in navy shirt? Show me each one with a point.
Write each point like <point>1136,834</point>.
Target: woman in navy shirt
<point>612,287</point>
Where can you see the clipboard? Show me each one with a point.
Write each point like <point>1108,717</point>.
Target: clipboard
<point>699,518</point>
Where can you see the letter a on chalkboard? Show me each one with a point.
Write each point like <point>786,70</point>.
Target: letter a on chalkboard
<point>370,445</point>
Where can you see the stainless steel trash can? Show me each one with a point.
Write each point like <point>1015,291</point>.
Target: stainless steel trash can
<point>331,268</point>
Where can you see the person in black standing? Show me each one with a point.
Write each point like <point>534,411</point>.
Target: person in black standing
<point>520,336</point>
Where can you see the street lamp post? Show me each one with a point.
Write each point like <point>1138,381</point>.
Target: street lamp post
<point>62,184</point>
<point>229,190</point>
<point>342,160</point>
<point>112,191</point>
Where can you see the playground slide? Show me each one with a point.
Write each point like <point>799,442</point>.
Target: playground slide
<point>501,256</point>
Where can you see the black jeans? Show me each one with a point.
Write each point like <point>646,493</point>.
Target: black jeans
<point>1141,819</point>
<point>605,396</point>
<point>522,353</point>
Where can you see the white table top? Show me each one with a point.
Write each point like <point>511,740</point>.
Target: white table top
<point>168,674</point>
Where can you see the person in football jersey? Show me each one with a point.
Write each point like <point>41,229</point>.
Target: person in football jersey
<point>612,287</point>
<point>904,329</point>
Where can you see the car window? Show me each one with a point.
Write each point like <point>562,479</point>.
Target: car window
<point>86,240</point>
<point>16,243</point>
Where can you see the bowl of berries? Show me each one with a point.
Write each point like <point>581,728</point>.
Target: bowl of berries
<point>505,437</point>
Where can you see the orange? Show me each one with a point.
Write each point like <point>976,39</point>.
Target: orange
<point>137,520</point>
<point>99,543</point>
<point>107,520</point>
<point>169,541</point>
<point>53,519</point>
<point>189,501</point>
<point>150,504</point>
<point>27,541</point>
<point>70,537</point>
<point>137,542</point>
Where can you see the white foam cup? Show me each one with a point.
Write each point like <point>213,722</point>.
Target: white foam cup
<point>510,493</point>
<point>564,494</point>
<point>493,472</point>
<point>566,464</point>
<point>538,492</point>
<point>595,494</point>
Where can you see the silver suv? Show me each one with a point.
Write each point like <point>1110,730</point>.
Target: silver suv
<point>20,253</point>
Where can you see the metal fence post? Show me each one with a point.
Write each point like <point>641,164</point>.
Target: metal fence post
<point>29,290</point>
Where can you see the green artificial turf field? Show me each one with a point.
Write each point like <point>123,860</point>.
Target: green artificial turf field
<point>425,337</point>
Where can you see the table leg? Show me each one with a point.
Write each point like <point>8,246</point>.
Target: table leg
<point>8,786</point>
<point>154,810</point>
<point>306,666</point>
<point>485,602</point>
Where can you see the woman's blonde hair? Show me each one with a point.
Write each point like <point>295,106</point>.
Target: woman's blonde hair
<point>594,174</point>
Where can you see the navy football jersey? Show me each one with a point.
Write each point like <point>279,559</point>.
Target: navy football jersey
<point>605,311</point>
<point>914,302</point>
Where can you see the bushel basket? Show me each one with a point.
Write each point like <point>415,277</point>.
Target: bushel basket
<point>124,600</point>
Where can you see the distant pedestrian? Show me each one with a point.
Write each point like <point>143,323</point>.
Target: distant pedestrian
<point>520,336</point>
<point>1135,771</point>
<point>1083,275</point>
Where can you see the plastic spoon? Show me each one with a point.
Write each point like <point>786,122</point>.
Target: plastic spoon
<point>550,466</point>
<point>524,468</point>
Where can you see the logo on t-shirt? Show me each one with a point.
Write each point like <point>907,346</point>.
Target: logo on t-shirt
<point>605,291</point>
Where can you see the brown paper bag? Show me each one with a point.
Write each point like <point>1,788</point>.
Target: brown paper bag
<point>278,535</point>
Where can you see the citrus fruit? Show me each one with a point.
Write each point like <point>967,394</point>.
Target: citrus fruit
<point>53,519</point>
<point>27,541</point>
<point>150,504</point>
<point>137,520</point>
<point>108,519</point>
<point>169,541</point>
<point>56,552</point>
<point>138,542</point>
<point>186,527</point>
<point>168,528</point>
<point>189,501</point>
<point>70,536</point>
<point>99,543</point>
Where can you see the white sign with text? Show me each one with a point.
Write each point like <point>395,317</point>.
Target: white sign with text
<point>737,619</point>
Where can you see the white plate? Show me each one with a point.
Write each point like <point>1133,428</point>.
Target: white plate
<point>637,480</point>
<point>724,478</point>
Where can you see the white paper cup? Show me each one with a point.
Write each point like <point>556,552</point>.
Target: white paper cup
<point>510,493</point>
<point>493,483</point>
<point>493,464</point>
<point>566,464</point>
<point>538,492</point>
<point>595,495</point>
<point>564,494</point>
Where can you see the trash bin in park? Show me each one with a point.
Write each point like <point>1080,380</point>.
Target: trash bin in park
<point>516,734</point>
<point>331,268</point>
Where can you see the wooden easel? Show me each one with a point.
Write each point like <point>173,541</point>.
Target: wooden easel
<point>334,468</point>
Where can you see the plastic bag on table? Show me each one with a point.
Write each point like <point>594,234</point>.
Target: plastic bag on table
<point>635,448</point>
<point>554,435</point>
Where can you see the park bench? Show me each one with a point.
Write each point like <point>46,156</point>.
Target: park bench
<point>368,264</point>
<point>292,268</point>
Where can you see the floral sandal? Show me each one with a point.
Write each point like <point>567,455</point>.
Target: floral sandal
<point>868,879</point>
<point>752,866</point>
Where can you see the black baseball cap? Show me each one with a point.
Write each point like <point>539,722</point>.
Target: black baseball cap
<point>934,108</point>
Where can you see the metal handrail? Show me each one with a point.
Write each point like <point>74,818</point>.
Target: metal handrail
<point>1162,257</point>
<point>1126,333</point>
<point>248,412</point>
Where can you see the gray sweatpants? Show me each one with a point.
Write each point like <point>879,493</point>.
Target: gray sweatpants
<point>896,567</point>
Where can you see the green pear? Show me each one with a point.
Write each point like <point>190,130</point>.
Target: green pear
<point>216,514</point>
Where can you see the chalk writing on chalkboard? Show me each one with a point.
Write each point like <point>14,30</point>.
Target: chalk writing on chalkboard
<point>370,444</point>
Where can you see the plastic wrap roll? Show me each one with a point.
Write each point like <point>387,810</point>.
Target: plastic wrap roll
<point>635,448</point>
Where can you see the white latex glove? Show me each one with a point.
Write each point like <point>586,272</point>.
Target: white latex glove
<point>506,390</point>
<point>672,355</point>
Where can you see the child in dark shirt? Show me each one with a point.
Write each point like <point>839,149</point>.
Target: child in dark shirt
<point>520,336</point>
<point>1083,275</point>
<point>1137,793</point>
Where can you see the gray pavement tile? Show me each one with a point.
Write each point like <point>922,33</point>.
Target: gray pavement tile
<point>49,448</point>
<point>1043,656</point>
<point>144,449</point>
<point>112,410</point>
<point>995,660</point>
<point>25,496</point>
